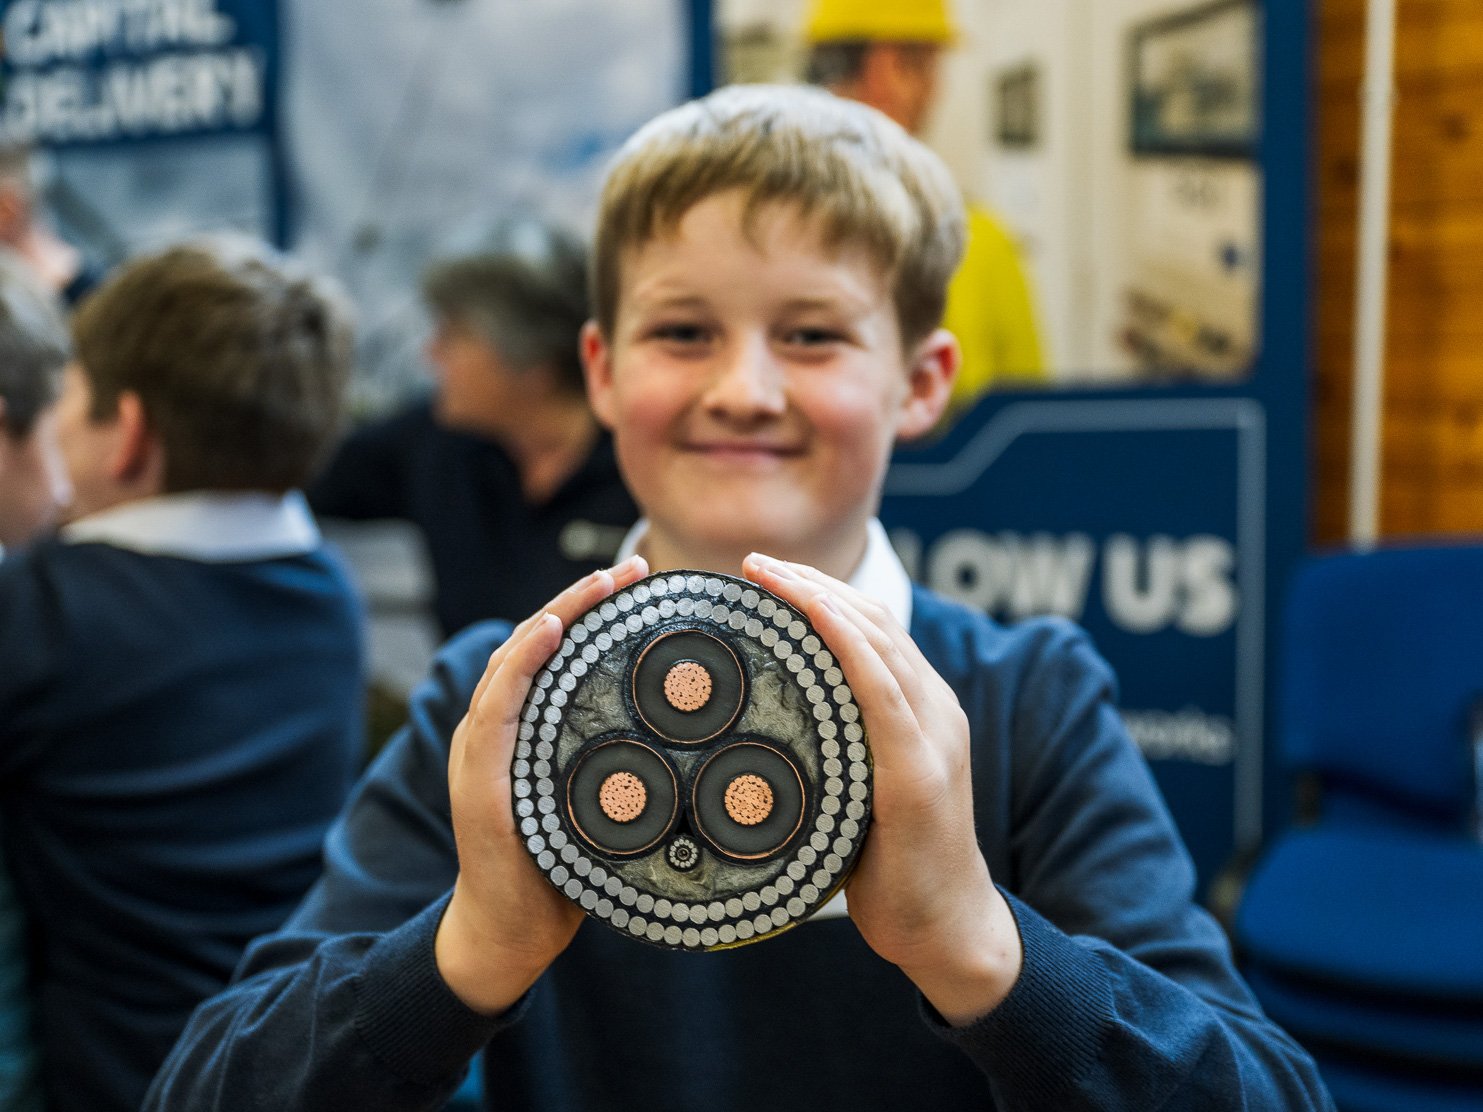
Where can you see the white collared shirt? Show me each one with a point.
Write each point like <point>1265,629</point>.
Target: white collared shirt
<point>879,575</point>
<point>208,526</point>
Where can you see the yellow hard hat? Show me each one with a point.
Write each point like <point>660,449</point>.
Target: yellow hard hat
<point>927,21</point>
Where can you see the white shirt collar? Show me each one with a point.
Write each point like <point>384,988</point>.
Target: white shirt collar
<point>211,527</point>
<point>880,573</point>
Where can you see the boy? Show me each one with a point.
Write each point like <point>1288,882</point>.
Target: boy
<point>179,668</point>
<point>769,270</point>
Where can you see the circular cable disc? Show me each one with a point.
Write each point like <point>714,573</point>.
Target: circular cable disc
<point>691,768</point>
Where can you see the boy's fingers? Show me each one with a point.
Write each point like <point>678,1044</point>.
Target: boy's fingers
<point>888,686</point>
<point>496,714</point>
<point>582,595</point>
<point>571,604</point>
<point>498,708</point>
<point>869,609</point>
<point>805,586</point>
<point>888,712</point>
<point>803,583</point>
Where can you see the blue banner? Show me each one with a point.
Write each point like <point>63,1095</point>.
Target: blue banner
<point>158,118</point>
<point>1144,521</point>
<point>102,71</point>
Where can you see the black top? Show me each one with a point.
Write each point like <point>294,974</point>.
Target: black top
<point>494,555</point>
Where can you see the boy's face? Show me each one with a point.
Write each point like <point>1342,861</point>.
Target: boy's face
<point>755,386</point>
<point>33,480</point>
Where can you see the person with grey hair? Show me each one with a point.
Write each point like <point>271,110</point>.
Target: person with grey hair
<point>504,470</point>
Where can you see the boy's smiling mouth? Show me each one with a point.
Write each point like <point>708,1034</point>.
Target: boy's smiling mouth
<point>742,451</point>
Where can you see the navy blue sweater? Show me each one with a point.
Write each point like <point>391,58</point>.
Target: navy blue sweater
<point>1127,999</point>
<point>175,738</point>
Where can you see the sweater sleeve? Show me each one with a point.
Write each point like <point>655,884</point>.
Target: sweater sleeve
<point>1128,997</point>
<point>344,1007</point>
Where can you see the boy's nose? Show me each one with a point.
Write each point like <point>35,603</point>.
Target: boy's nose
<point>748,381</point>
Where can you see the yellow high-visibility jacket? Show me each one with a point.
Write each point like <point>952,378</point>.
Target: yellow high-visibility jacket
<point>990,310</point>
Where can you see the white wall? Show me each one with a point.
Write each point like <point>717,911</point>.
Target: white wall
<point>1092,220</point>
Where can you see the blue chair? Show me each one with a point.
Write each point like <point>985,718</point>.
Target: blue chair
<point>1361,930</point>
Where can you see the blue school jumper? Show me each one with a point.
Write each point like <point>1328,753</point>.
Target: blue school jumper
<point>1127,1000</point>
<point>175,736</point>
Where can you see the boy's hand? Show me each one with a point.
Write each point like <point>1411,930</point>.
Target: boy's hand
<point>505,923</point>
<point>920,894</point>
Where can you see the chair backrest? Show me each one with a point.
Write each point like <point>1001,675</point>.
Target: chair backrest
<point>1383,668</point>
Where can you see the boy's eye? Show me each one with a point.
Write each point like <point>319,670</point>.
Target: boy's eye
<point>813,337</point>
<point>681,333</point>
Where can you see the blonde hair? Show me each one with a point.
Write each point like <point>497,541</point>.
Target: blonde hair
<point>868,183</point>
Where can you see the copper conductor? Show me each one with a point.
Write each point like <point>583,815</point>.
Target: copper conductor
<point>622,796</point>
<point>687,686</point>
<point>748,799</point>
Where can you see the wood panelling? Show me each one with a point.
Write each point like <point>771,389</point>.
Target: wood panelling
<point>1435,40</point>
<point>1432,444</point>
<point>1438,143</point>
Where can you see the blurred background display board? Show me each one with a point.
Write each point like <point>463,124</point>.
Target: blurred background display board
<point>151,118</point>
<point>363,134</point>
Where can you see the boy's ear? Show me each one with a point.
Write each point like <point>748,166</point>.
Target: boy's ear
<point>597,366</point>
<point>933,366</point>
<point>138,457</point>
<point>12,212</point>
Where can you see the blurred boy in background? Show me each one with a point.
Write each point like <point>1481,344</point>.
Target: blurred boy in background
<point>180,672</point>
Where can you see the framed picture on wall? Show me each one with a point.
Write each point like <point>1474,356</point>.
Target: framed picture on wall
<point>1195,81</point>
<point>1017,101</point>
